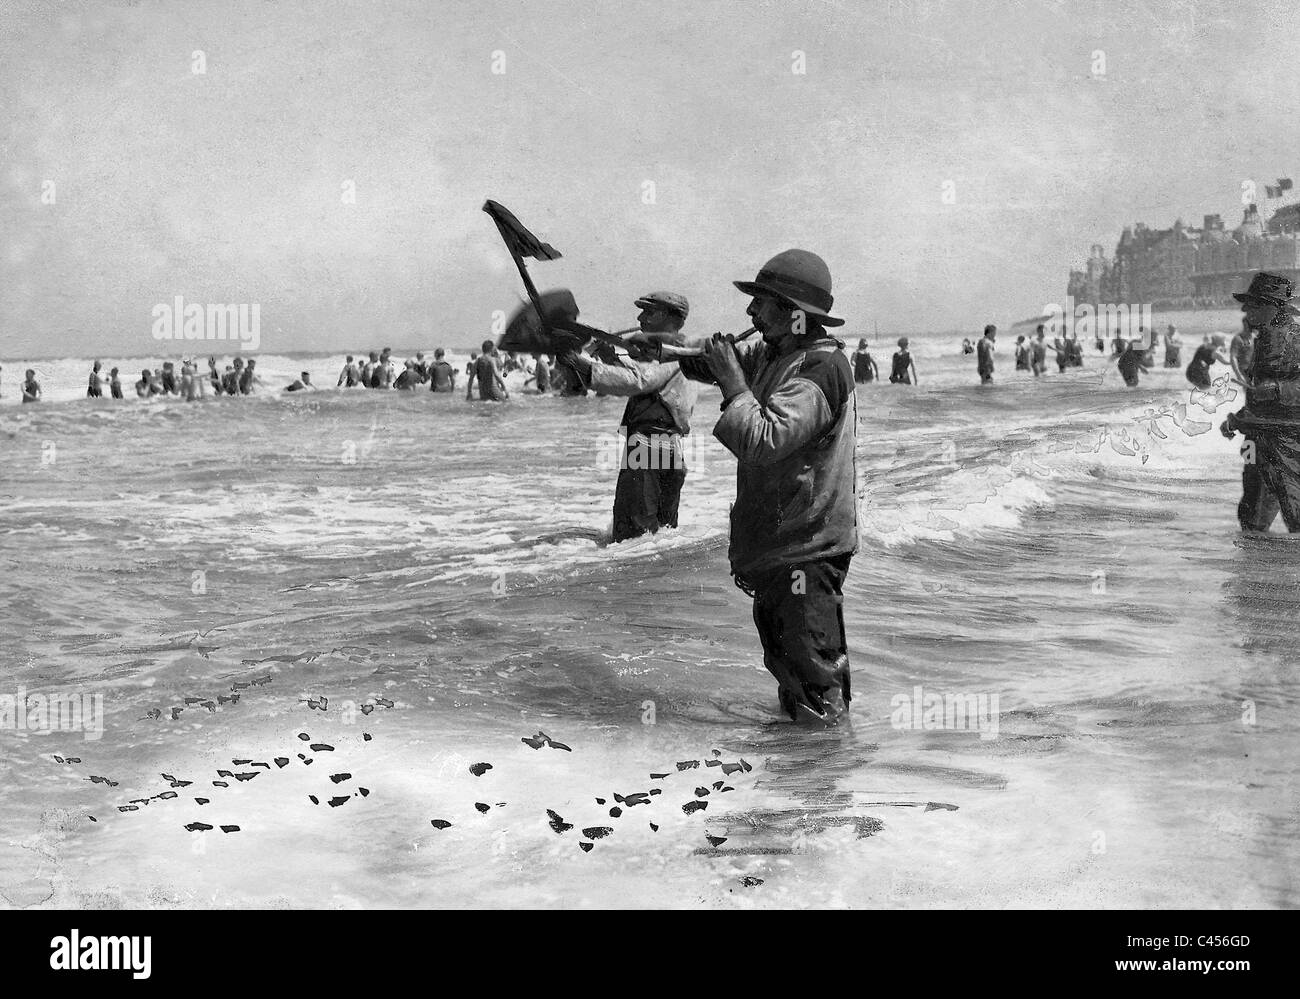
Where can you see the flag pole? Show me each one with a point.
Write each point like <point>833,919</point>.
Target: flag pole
<point>523,273</point>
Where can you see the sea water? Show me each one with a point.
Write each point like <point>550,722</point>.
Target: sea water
<point>1074,679</point>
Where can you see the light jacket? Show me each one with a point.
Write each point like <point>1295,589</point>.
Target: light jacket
<point>793,433</point>
<point>661,397</point>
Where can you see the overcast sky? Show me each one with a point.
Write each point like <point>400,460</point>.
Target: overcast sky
<point>228,186</point>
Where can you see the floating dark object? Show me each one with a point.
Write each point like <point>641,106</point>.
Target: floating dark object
<point>176,713</point>
<point>166,795</point>
<point>600,801</point>
<point>931,806</point>
<point>321,747</point>
<point>224,773</point>
<point>717,752</point>
<point>335,802</point>
<point>749,881</point>
<point>694,806</point>
<point>559,745</point>
<point>230,829</point>
<point>366,736</point>
<point>557,822</point>
<point>340,778</point>
<point>212,708</point>
<point>597,832</point>
<point>726,787</point>
<point>202,801</point>
<point>182,783</point>
<point>383,702</point>
<point>688,765</point>
<point>316,703</point>
<point>198,827</point>
<point>193,700</point>
<point>615,812</point>
<point>440,823</point>
<point>656,790</point>
<point>260,681</point>
<point>586,847</point>
<point>302,756</point>
<point>640,798</point>
<point>731,768</point>
<point>92,818</point>
<point>658,776</point>
<point>140,801</point>
<point>745,766</point>
<point>654,827</point>
<point>715,840</point>
<point>102,780</point>
<point>367,708</point>
<point>239,686</point>
<point>220,783</point>
<point>246,776</point>
<point>314,800</point>
<point>282,761</point>
<point>701,792</point>
<point>304,737</point>
<point>306,762</point>
<point>501,804</point>
<point>153,714</point>
<point>484,808</point>
<point>128,808</point>
<point>365,791</point>
<point>259,763</point>
<point>535,742</point>
<point>713,763</point>
<point>717,785</point>
<point>241,763</point>
<point>479,769</point>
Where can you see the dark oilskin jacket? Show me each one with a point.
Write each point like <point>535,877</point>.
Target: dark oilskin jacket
<point>793,434</point>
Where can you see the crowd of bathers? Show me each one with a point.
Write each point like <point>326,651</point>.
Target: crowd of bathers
<point>378,371</point>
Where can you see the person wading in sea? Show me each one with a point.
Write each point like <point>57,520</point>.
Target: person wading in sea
<point>789,415</point>
<point>864,367</point>
<point>657,415</point>
<point>985,354</point>
<point>1270,421</point>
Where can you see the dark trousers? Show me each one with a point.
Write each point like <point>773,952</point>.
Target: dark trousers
<point>1271,483</point>
<point>646,499</point>
<point>799,613</point>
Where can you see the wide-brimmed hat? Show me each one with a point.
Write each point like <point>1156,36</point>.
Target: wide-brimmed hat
<point>1271,288</point>
<point>800,278</point>
<point>665,300</point>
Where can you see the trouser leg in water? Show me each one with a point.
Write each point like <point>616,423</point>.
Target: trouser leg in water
<point>799,613</point>
<point>1270,483</point>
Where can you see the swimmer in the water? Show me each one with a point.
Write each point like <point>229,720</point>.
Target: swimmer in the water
<point>349,376</point>
<point>31,387</point>
<point>409,378</point>
<point>864,365</point>
<point>169,385</point>
<point>491,386</point>
<point>114,384</point>
<point>144,385</point>
<point>1038,352</point>
<point>250,380</point>
<point>541,374</point>
<point>1022,354</point>
<point>1132,361</point>
<point>95,389</point>
<point>903,370</point>
<point>442,376</point>
<point>214,376</point>
<point>230,379</point>
<point>187,382</point>
<point>1198,371</point>
<point>302,384</point>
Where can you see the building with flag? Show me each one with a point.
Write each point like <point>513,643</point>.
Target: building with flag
<point>1184,267</point>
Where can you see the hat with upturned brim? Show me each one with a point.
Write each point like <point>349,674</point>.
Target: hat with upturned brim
<point>1274,289</point>
<point>800,278</point>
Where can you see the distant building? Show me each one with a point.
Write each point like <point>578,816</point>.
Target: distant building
<point>1188,268</point>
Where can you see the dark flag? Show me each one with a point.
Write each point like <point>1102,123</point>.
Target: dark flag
<point>1284,183</point>
<point>519,241</point>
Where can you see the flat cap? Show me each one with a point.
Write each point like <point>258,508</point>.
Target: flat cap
<point>665,300</point>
